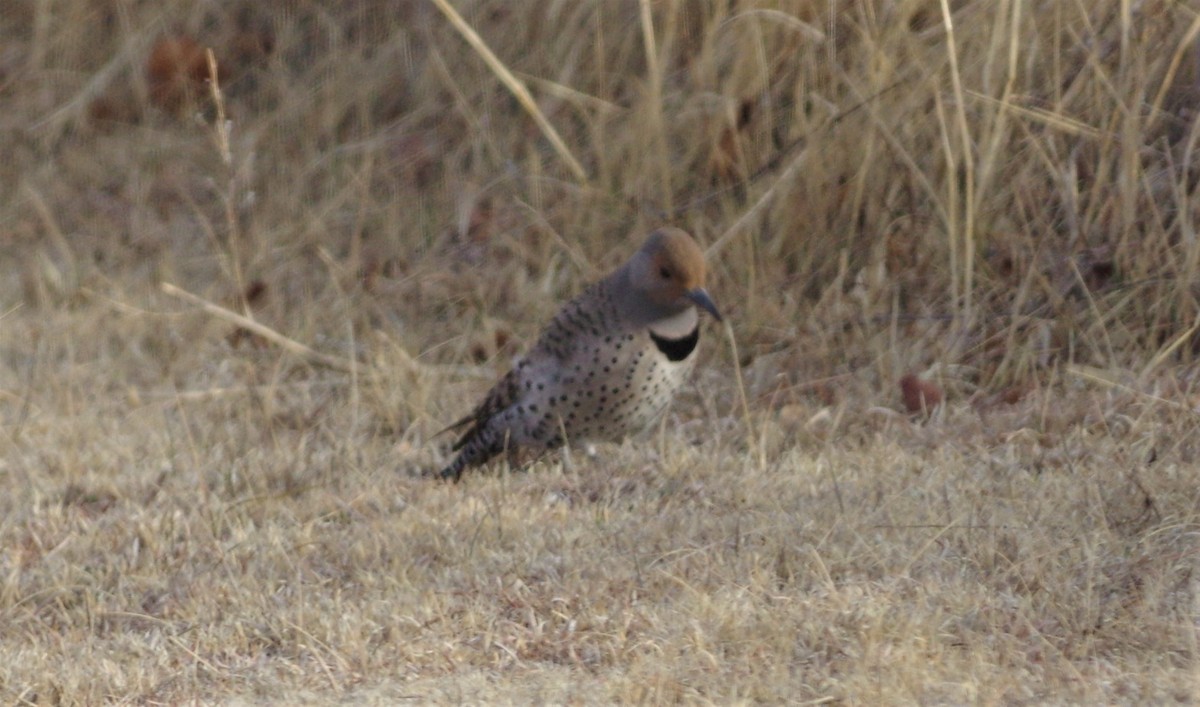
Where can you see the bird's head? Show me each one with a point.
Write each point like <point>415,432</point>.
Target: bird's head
<point>669,272</point>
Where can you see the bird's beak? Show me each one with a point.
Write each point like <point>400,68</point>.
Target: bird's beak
<point>703,301</point>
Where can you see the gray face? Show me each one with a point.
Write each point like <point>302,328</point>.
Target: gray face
<point>665,278</point>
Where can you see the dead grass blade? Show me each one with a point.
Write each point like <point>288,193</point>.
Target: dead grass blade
<point>1050,119</point>
<point>654,76</point>
<point>1108,380</point>
<point>290,345</point>
<point>962,232</point>
<point>759,206</point>
<point>1176,60</point>
<point>744,401</point>
<point>573,96</point>
<point>1169,350</point>
<point>514,85</point>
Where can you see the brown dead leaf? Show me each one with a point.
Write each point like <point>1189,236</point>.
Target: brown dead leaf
<point>178,73</point>
<point>919,395</point>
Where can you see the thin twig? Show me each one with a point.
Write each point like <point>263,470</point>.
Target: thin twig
<point>759,207</point>
<point>313,356</point>
<point>514,85</point>
<point>290,345</point>
<point>745,402</point>
<point>785,178</point>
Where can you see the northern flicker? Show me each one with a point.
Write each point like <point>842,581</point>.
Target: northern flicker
<point>606,366</point>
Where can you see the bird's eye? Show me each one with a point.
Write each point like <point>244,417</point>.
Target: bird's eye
<point>664,272</point>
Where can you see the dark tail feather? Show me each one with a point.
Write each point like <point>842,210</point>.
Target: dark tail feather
<point>455,425</point>
<point>474,448</point>
<point>454,469</point>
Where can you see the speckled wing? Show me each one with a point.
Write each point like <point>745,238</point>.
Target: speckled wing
<point>500,397</point>
<point>556,343</point>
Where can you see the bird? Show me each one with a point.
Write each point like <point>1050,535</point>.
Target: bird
<point>605,367</point>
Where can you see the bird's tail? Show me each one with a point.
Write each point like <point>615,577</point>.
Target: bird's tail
<point>456,425</point>
<point>453,470</point>
<point>475,448</point>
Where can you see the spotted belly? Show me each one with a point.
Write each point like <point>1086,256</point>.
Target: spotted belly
<point>603,394</point>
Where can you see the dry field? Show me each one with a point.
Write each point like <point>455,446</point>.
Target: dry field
<point>997,197</point>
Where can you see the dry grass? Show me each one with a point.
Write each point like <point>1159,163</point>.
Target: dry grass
<point>996,195</point>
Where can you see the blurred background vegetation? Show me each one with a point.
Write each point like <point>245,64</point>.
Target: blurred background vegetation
<point>885,194</point>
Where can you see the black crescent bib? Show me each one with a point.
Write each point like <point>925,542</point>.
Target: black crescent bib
<point>677,349</point>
